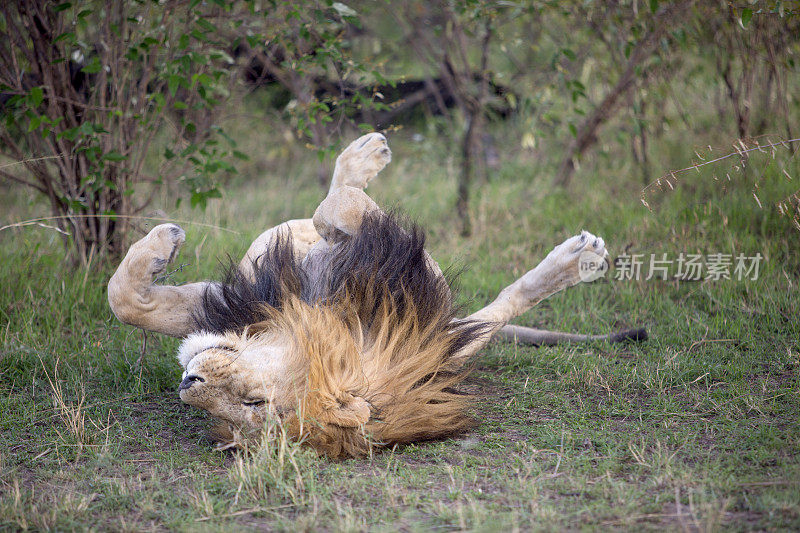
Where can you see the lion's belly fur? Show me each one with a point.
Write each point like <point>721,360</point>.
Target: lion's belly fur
<point>371,336</point>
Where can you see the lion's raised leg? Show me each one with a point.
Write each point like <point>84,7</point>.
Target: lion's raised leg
<point>341,212</point>
<point>582,257</point>
<point>168,309</point>
<point>134,298</point>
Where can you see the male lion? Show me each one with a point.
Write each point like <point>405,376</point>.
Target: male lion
<point>342,327</point>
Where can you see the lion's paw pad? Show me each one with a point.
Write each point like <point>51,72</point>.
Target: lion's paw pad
<point>580,258</point>
<point>363,159</point>
<point>159,247</point>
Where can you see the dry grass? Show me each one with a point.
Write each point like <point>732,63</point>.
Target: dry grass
<point>78,429</point>
<point>275,469</point>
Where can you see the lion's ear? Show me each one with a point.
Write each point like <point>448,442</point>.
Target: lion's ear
<point>344,410</point>
<point>353,412</point>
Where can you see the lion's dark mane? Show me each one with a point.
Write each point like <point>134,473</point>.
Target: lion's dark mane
<point>384,261</point>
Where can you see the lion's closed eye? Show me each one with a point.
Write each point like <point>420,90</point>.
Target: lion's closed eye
<point>254,403</point>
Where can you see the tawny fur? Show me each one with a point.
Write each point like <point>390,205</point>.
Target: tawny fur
<point>348,392</point>
<point>367,354</point>
<point>349,340</point>
<point>392,386</point>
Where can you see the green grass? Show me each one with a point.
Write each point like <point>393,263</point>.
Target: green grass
<point>697,428</point>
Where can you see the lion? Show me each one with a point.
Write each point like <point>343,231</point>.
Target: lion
<point>342,327</point>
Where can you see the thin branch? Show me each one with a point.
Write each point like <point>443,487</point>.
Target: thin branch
<point>24,161</point>
<point>33,221</point>
<point>671,175</point>
<point>12,177</point>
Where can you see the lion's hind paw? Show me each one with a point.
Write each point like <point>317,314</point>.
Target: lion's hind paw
<point>151,255</point>
<point>361,161</point>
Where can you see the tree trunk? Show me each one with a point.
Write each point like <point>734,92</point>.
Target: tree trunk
<point>587,132</point>
<point>465,180</point>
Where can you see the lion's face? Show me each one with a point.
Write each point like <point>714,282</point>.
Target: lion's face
<point>239,380</point>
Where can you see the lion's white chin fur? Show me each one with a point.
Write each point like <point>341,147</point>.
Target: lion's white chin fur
<point>195,344</point>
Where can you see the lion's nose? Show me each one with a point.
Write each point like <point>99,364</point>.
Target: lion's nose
<point>188,381</point>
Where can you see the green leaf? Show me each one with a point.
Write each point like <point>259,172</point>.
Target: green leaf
<point>34,123</point>
<point>628,49</point>
<point>114,156</point>
<point>62,7</point>
<point>66,35</point>
<point>653,6</point>
<point>70,134</point>
<point>206,25</point>
<point>85,129</point>
<point>573,130</point>
<point>200,198</point>
<point>569,54</point>
<point>132,54</point>
<point>93,67</point>
<point>197,199</point>
<point>172,83</point>
<point>36,96</point>
<point>747,14</point>
<point>192,148</point>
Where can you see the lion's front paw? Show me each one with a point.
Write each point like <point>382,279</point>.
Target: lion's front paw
<point>361,161</point>
<point>579,258</point>
<point>150,256</point>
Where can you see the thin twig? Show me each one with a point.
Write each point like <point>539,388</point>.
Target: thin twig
<point>41,219</point>
<point>560,455</point>
<point>244,511</point>
<point>169,274</point>
<point>666,177</point>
